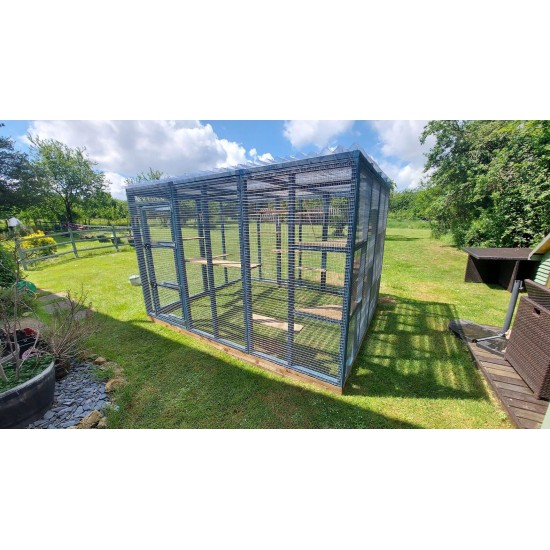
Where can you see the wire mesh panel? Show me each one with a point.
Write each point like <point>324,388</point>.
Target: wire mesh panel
<point>282,261</point>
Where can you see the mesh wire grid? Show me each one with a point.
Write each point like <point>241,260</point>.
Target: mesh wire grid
<point>265,260</point>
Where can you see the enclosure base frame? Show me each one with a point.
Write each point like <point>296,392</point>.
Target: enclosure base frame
<point>254,360</point>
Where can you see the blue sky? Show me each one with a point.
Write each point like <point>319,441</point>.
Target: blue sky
<point>125,148</point>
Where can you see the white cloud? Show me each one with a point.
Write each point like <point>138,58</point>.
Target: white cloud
<point>400,139</point>
<point>130,147</point>
<point>315,132</point>
<point>253,154</point>
<point>116,183</point>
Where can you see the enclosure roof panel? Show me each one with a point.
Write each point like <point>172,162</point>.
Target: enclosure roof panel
<point>543,247</point>
<point>328,154</point>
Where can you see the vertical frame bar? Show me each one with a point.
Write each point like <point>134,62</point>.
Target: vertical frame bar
<point>278,240</point>
<point>300,235</point>
<point>202,249</point>
<point>259,237</point>
<point>326,204</point>
<point>179,254</point>
<point>224,249</point>
<point>138,246</point>
<point>209,265</point>
<point>352,226</point>
<point>115,240</point>
<point>244,243</point>
<point>149,261</point>
<point>291,265</point>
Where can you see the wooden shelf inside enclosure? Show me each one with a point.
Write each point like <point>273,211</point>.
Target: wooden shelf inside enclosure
<point>222,263</point>
<point>273,323</point>
<point>330,311</point>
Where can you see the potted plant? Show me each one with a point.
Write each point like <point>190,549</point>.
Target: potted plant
<point>27,374</point>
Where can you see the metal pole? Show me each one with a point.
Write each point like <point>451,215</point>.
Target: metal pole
<point>300,235</point>
<point>259,238</point>
<point>202,250</point>
<point>180,258</point>
<point>278,241</point>
<point>291,265</point>
<point>326,204</point>
<point>244,237</point>
<point>224,250</point>
<point>209,265</point>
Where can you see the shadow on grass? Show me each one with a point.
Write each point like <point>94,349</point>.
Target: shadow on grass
<point>401,238</point>
<point>176,382</point>
<point>409,352</point>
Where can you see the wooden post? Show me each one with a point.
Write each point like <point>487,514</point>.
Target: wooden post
<point>71,235</point>
<point>21,253</point>
<point>114,238</point>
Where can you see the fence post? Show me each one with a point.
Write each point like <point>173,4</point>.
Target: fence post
<point>114,238</point>
<point>71,235</point>
<point>21,253</point>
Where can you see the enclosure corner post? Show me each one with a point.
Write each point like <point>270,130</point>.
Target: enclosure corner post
<point>244,240</point>
<point>350,242</point>
<point>180,257</point>
<point>291,265</point>
<point>209,265</point>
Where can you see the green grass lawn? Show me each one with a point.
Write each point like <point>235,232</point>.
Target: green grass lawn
<point>410,372</point>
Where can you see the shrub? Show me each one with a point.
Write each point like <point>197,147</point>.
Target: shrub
<point>38,239</point>
<point>7,267</point>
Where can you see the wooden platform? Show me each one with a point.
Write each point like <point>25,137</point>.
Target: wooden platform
<point>331,312</point>
<point>273,323</point>
<point>518,400</point>
<point>323,244</point>
<point>223,263</point>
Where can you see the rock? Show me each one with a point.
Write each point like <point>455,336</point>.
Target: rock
<point>48,415</point>
<point>79,411</point>
<point>102,424</point>
<point>90,421</point>
<point>114,384</point>
<point>100,361</point>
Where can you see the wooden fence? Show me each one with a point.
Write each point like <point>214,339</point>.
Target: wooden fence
<point>73,241</point>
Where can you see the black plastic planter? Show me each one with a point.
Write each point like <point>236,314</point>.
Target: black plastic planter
<point>29,401</point>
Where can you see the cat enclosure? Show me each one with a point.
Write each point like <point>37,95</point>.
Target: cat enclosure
<point>277,263</point>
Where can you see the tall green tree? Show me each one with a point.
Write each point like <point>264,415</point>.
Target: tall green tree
<point>16,183</point>
<point>489,181</point>
<point>66,174</point>
<point>151,175</point>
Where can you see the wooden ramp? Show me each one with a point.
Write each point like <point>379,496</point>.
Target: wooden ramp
<point>223,263</point>
<point>273,323</point>
<point>520,403</point>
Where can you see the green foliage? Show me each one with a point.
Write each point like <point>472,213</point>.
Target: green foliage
<point>16,189</point>
<point>37,240</point>
<point>7,266</point>
<point>408,204</point>
<point>151,175</point>
<point>67,175</point>
<point>489,181</point>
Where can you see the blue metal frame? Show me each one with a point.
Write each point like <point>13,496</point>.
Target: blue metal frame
<point>244,243</point>
<point>197,188</point>
<point>180,258</point>
<point>209,266</point>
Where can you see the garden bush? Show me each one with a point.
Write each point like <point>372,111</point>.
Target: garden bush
<point>7,267</point>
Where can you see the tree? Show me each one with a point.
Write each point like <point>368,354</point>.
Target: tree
<point>489,181</point>
<point>16,188</point>
<point>151,175</point>
<point>67,174</point>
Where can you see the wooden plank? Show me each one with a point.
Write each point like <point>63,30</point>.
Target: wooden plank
<point>525,423</point>
<point>256,361</point>
<point>518,389</point>
<point>519,383</point>
<point>501,368</point>
<point>191,238</point>
<point>306,268</point>
<point>324,244</point>
<point>530,415</point>
<point>273,323</point>
<point>509,374</point>
<point>223,263</point>
<point>490,358</point>
<point>330,311</point>
<point>530,398</point>
<point>519,404</point>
